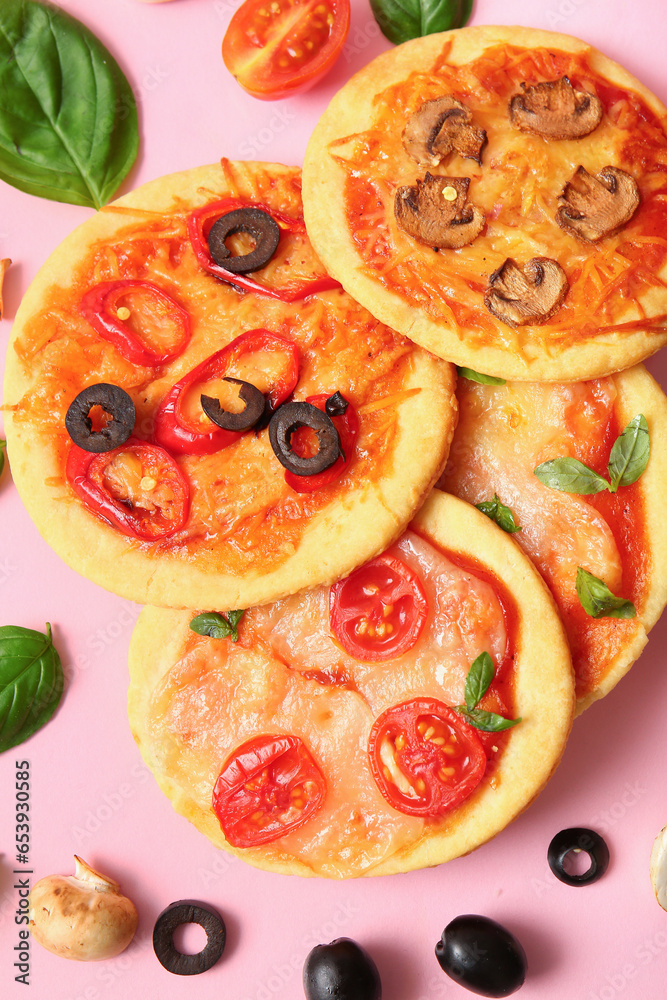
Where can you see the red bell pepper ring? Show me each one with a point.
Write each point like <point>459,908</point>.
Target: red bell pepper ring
<point>347,425</point>
<point>100,306</point>
<point>172,429</point>
<point>199,225</point>
<point>160,518</point>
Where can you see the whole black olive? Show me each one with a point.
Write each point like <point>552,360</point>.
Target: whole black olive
<point>576,839</point>
<point>264,230</point>
<point>482,955</point>
<point>286,420</point>
<point>249,415</point>
<point>341,970</point>
<point>188,911</point>
<point>116,404</point>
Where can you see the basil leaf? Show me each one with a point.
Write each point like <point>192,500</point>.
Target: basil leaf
<point>597,599</point>
<point>68,117</point>
<point>400,20</point>
<point>630,454</point>
<point>570,476</point>
<point>31,682</point>
<point>478,679</point>
<point>499,513</point>
<point>488,722</point>
<point>3,445</point>
<point>474,376</point>
<point>217,626</point>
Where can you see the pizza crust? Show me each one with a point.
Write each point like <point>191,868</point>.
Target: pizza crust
<point>543,697</point>
<point>351,111</point>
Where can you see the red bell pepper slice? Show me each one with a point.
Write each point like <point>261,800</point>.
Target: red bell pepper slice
<point>172,429</point>
<point>138,514</point>
<point>101,304</point>
<point>199,225</point>
<point>347,426</point>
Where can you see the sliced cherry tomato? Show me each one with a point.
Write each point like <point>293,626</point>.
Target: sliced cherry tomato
<point>278,48</point>
<point>129,314</point>
<point>425,759</point>
<point>379,611</point>
<point>173,429</point>
<point>268,787</point>
<point>200,223</point>
<point>137,488</point>
<point>347,425</point>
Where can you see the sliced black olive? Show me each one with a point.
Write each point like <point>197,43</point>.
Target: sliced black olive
<point>116,404</point>
<point>341,969</point>
<point>243,421</point>
<point>286,420</point>
<point>188,911</point>
<point>482,955</point>
<point>336,405</point>
<point>577,839</point>
<point>256,223</point>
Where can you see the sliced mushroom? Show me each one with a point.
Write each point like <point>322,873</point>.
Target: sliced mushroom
<point>440,127</point>
<point>555,110</point>
<point>594,207</point>
<point>436,212</point>
<point>530,295</point>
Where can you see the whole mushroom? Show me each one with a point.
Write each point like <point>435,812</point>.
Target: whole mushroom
<point>83,916</point>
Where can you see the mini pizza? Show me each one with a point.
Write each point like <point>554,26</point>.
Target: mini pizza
<point>197,413</point>
<point>576,473</point>
<point>499,195</point>
<point>370,727</point>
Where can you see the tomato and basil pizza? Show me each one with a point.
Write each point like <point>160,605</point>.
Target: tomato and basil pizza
<point>394,720</point>
<point>197,413</point>
<point>500,196</point>
<point>575,472</point>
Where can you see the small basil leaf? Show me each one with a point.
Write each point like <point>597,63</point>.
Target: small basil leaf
<point>68,118</point>
<point>630,453</point>
<point>478,679</point>
<point>217,626</point>
<point>31,682</point>
<point>474,376</point>
<point>570,476</point>
<point>400,20</point>
<point>3,445</point>
<point>499,513</point>
<point>488,722</point>
<point>597,599</point>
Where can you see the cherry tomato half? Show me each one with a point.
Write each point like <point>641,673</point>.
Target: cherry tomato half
<point>279,47</point>
<point>378,611</point>
<point>347,425</point>
<point>268,787</point>
<point>137,488</point>
<point>425,759</point>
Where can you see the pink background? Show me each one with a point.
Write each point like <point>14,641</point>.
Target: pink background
<point>91,793</point>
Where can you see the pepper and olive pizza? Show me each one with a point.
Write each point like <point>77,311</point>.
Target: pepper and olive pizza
<point>576,473</point>
<point>392,721</point>
<point>499,195</point>
<point>196,413</point>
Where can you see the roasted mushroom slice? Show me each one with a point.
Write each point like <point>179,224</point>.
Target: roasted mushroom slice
<point>530,295</point>
<point>555,110</point>
<point>443,126</point>
<point>594,207</point>
<point>436,212</point>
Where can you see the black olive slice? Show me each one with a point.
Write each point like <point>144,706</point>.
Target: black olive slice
<point>578,839</point>
<point>188,911</point>
<point>116,404</point>
<point>336,405</point>
<point>286,420</point>
<point>256,223</point>
<point>247,418</point>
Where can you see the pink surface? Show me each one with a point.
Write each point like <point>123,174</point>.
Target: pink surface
<point>91,793</point>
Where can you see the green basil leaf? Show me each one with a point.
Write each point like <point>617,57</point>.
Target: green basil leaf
<point>400,20</point>
<point>570,476</point>
<point>217,626</point>
<point>597,599</point>
<point>499,513</point>
<point>68,117</point>
<point>488,722</point>
<point>474,376</point>
<point>630,454</point>
<point>3,445</point>
<point>478,679</point>
<point>31,682</point>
